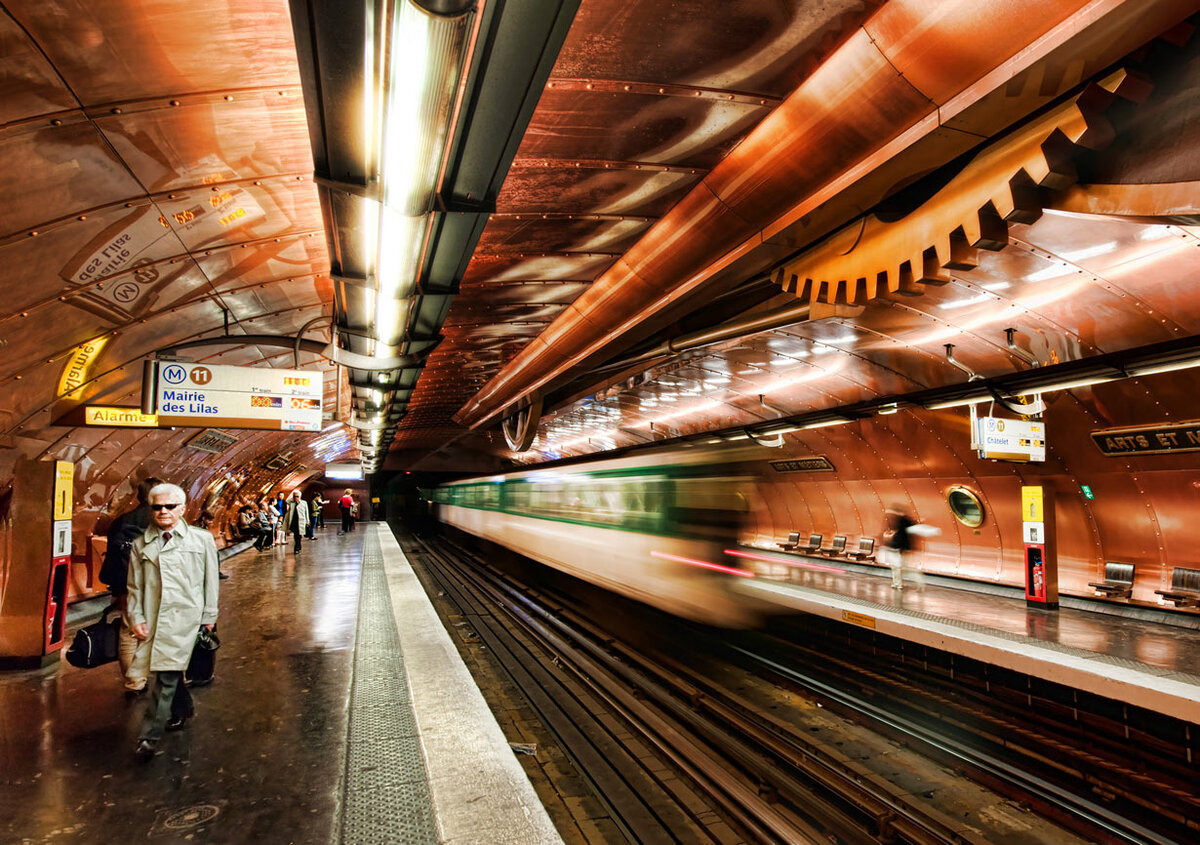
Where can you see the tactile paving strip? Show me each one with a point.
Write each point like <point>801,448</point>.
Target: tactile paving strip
<point>387,790</point>
<point>1046,645</point>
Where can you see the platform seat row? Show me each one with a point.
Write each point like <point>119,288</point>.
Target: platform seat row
<point>836,548</point>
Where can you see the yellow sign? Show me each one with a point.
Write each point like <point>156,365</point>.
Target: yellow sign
<point>858,618</point>
<point>75,373</point>
<point>118,417</point>
<point>64,489</point>
<point>1032,508</point>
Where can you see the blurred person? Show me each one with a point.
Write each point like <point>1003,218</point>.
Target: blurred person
<point>899,531</point>
<point>173,587</point>
<point>353,512</point>
<point>114,572</point>
<point>296,517</point>
<point>345,503</point>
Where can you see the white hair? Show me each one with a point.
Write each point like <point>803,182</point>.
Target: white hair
<point>172,490</point>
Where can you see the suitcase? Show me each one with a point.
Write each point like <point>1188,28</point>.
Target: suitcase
<point>203,662</point>
<point>98,643</point>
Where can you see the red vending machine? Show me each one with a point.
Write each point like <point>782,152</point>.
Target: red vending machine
<point>1041,558</point>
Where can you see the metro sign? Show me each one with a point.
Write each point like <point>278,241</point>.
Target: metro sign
<point>221,396</point>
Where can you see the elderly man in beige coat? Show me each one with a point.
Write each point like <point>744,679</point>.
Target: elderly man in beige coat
<point>173,580</point>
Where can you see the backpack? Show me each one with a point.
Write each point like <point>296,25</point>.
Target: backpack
<point>96,644</point>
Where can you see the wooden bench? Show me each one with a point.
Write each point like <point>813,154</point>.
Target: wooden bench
<point>793,540</point>
<point>836,548</point>
<point>865,550</point>
<point>1185,587</point>
<point>1117,583</point>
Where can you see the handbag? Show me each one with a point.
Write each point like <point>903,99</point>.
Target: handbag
<point>203,662</point>
<point>98,643</point>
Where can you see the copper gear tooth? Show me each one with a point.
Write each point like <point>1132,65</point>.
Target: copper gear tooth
<point>1040,157</point>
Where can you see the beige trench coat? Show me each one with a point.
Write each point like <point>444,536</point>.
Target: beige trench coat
<point>173,591</point>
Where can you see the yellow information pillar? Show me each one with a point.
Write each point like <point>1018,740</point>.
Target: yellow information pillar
<point>1041,553</point>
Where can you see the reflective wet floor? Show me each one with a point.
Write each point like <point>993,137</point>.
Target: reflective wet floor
<point>264,758</point>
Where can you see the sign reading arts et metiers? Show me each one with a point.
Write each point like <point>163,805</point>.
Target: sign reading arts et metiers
<point>214,395</point>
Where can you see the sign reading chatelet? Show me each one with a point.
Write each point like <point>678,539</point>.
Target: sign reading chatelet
<point>1011,440</point>
<point>215,395</point>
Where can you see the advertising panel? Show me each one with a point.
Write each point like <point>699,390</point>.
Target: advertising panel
<point>211,395</point>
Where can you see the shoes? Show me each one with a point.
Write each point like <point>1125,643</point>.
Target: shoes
<point>146,748</point>
<point>135,693</point>
<point>180,723</point>
<point>222,575</point>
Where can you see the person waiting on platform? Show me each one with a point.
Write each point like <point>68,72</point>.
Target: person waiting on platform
<point>296,517</point>
<point>250,527</point>
<point>280,504</point>
<point>316,519</point>
<point>115,573</point>
<point>269,518</point>
<point>353,512</point>
<point>173,587</point>
<point>344,505</point>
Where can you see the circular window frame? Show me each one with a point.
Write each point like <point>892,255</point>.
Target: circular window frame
<point>966,491</point>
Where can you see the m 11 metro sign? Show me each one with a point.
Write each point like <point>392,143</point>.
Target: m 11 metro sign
<point>222,396</point>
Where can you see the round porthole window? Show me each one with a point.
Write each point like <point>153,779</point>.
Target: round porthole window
<point>966,506</point>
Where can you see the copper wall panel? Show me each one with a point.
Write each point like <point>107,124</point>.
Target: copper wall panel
<point>563,189</point>
<point>532,233</point>
<point>28,84</point>
<point>137,49</point>
<point>746,45</point>
<point>57,171</point>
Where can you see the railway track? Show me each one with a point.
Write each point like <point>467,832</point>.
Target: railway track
<point>771,781</point>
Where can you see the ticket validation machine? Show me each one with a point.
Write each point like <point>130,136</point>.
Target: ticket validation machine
<point>33,605</point>
<point>1041,554</point>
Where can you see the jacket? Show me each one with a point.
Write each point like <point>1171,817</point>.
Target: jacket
<point>291,508</point>
<point>173,590</point>
<point>124,530</point>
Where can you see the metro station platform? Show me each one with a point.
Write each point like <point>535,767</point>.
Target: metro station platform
<point>340,712</point>
<point>1147,660</point>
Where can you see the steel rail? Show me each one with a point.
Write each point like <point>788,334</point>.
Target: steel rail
<point>599,756</point>
<point>757,754</point>
<point>742,801</point>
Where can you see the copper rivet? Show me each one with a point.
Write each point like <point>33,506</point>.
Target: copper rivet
<point>229,97</point>
<point>56,122</point>
<point>116,111</point>
<point>174,102</point>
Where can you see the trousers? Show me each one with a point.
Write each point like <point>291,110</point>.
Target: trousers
<point>127,646</point>
<point>171,700</point>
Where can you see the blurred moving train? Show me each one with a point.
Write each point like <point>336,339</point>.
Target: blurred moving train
<point>652,527</point>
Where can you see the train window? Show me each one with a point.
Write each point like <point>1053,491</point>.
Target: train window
<point>966,506</point>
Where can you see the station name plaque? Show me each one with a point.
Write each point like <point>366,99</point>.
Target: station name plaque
<point>222,396</point>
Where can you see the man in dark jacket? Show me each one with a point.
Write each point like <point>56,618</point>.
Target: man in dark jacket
<point>115,572</point>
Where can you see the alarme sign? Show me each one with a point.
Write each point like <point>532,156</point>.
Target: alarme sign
<point>207,395</point>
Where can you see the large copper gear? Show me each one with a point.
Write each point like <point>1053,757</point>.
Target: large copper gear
<point>1008,181</point>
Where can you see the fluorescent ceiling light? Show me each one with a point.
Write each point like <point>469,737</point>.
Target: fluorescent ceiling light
<point>974,399</point>
<point>1154,369</point>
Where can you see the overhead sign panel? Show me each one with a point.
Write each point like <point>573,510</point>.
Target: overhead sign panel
<point>211,395</point>
<point>1011,440</point>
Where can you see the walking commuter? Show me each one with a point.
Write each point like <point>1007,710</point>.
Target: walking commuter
<point>173,588</point>
<point>344,505</point>
<point>898,534</point>
<point>115,573</point>
<point>296,517</point>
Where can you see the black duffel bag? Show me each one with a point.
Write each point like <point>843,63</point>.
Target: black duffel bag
<point>203,662</point>
<point>98,643</point>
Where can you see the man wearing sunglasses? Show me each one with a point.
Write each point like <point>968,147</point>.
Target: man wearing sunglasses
<point>173,581</point>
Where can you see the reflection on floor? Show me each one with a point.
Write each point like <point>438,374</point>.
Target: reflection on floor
<point>262,761</point>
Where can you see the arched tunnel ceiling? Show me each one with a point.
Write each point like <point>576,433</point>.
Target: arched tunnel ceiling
<point>159,183</point>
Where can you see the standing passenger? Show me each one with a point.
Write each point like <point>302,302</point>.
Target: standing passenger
<point>172,594</point>
<point>296,517</point>
<point>344,505</point>
<point>315,518</point>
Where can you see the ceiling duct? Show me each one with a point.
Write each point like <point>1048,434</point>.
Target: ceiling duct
<point>408,165</point>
